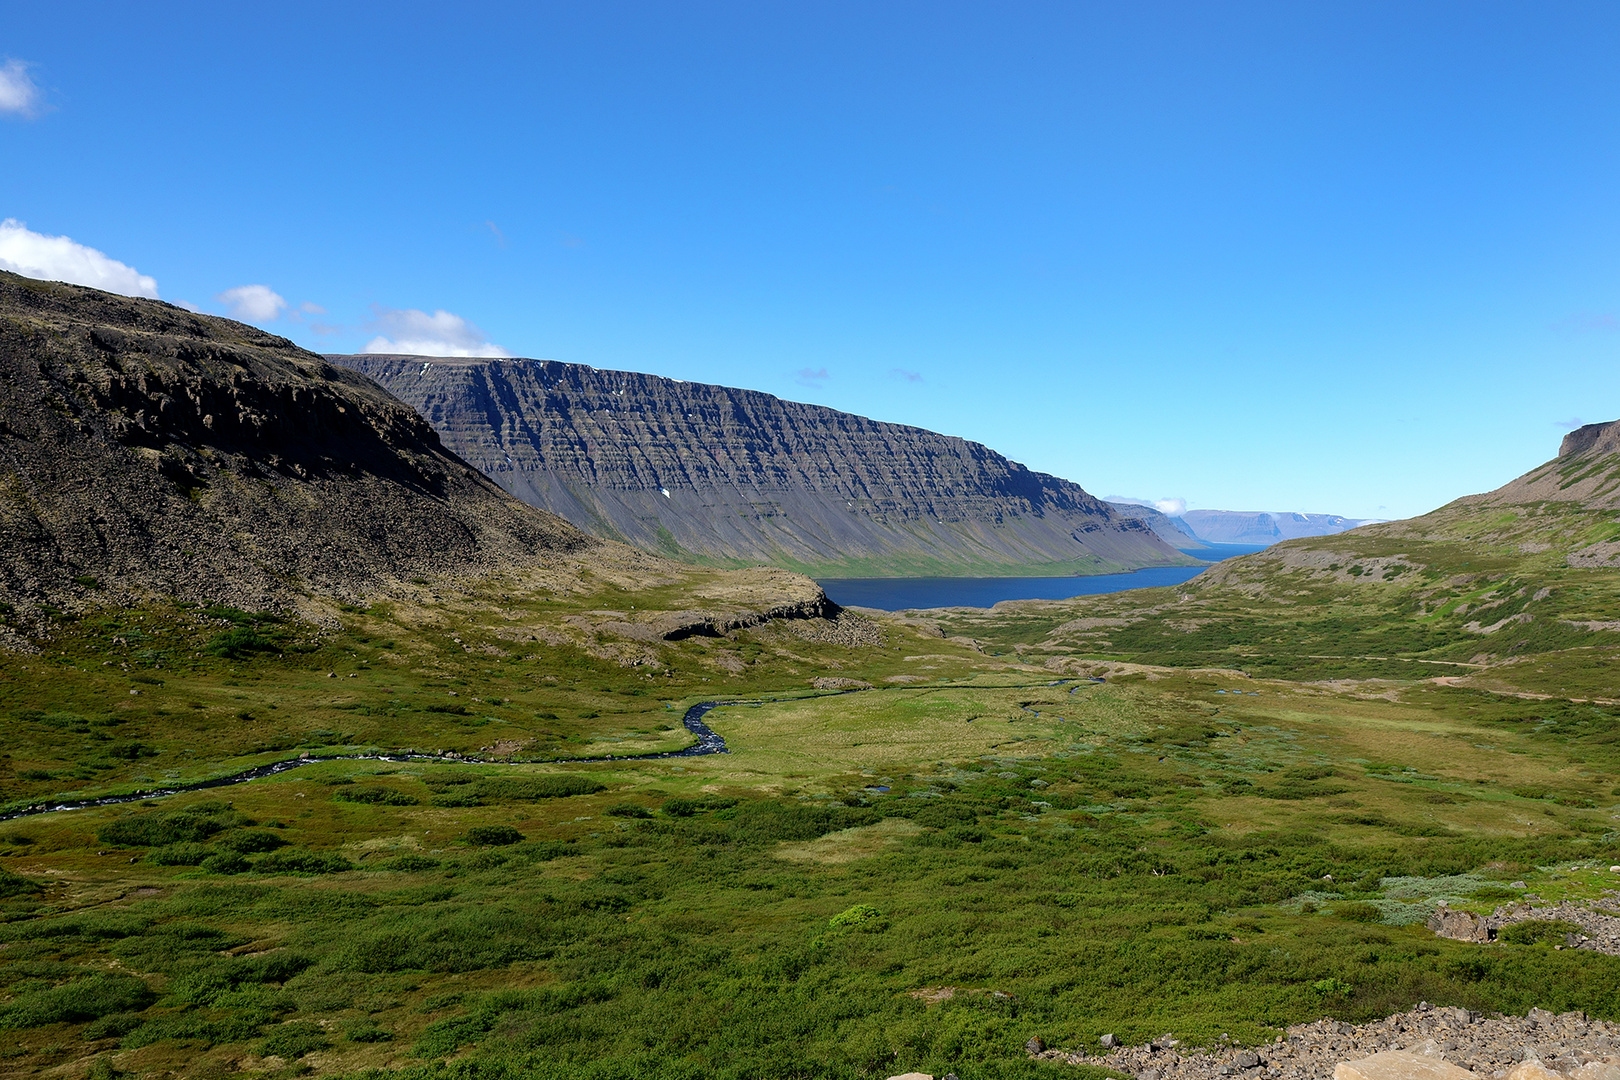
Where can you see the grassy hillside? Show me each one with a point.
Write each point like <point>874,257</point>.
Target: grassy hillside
<point>1515,589</point>
<point>919,875</point>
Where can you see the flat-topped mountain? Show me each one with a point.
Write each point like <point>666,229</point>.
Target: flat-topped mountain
<point>729,476</point>
<point>146,451</point>
<point>1193,529</point>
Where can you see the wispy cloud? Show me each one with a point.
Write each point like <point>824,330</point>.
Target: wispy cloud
<point>18,94</point>
<point>416,333</point>
<point>812,378</point>
<point>909,376</point>
<point>253,303</point>
<point>59,258</point>
<point>495,230</point>
<point>1571,424</point>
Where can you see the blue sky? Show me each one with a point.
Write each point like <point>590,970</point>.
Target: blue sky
<point>1356,258</point>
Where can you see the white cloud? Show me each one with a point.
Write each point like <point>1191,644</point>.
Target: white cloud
<point>57,258</point>
<point>416,333</point>
<point>252,303</point>
<point>1173,507</point>
<point>18,94</point>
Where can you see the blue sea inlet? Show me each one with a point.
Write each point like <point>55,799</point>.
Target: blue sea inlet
<point>901,594</point>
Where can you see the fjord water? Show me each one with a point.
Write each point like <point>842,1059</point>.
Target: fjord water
<point>901,594</point>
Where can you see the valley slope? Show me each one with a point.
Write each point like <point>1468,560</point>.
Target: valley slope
<point>151,455</point>
<point>736,477</point>
<point>1511,588</point>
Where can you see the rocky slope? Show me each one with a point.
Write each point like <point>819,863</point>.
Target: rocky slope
<point>711,473</point>
<point>146,451</point>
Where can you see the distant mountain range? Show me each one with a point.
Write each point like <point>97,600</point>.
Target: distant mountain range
<point>1194,529</point>
<point>718,475</point>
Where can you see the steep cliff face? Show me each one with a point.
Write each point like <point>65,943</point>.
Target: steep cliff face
<point>719,474</point>
<point>146,451</point>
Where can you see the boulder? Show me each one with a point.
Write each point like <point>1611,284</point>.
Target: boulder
<point>1531,1069</point>
<point>1036,1045</point>
<point>1109,1041</point>
<point>1400,1065</point>
<point>1458,925</point>
<point>1596,1070</point>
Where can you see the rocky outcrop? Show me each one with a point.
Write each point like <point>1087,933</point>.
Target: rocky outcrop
<point>1459,925</point>
<point>1599,438</point>
<point>712,473</point>
<point>1586,471</point>
<point>149,452</point>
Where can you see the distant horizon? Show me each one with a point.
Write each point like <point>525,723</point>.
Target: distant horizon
<point>1358,257</point>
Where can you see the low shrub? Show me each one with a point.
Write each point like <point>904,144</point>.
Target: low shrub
<point>225,862</point>
<point>240,643</point>
<point>185,854</point>
<point>82,999</point>
<point>15,884</point>
<point>679,807</point>
<point>530,788</point>
<point>862,916</point>
<point>294,1040</point>
<point>251,841</point>
<point>302,861</point>
<point>376,796</point>
<point>410,863</point>
<point>492,835</point>
<point>162,827</point>
<point>1537,932</point>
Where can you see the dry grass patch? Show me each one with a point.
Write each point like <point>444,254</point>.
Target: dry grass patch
<point>850,844</point>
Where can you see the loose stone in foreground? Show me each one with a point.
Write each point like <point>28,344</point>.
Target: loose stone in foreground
<point>1401,1065</point>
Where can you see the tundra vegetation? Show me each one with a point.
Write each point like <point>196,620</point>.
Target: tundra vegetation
<point>988,844</point>
<point>1211,810</point>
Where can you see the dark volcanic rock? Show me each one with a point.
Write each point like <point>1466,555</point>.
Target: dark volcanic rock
<point>687,469</point>
<point>146,451</point>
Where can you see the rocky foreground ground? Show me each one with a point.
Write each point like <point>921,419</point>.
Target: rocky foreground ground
<point>1428,1043</point>
<point>1569,1045</point>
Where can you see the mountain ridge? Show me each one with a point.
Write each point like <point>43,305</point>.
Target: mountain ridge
<point>732,476</point>
<point>1235,526</point>
<point>150,454</point>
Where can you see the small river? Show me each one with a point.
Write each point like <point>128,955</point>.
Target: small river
<point>901,594</point>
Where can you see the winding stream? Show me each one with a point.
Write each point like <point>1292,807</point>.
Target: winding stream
<point>708,742</point>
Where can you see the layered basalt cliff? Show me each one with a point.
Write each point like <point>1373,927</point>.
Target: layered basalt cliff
<point>718,474</point>
<point>149,452</point>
